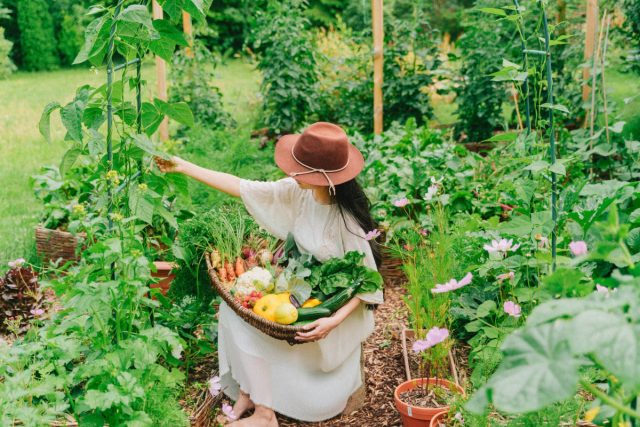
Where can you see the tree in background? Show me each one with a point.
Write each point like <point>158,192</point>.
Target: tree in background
<point>6,65</point>
<point>482,46</point>
<point>288,65</point>
<point>632,26</point>
<point>70,19</point>
<point>37,36</point>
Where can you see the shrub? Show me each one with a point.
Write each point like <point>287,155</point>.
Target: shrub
<point>288,65</point>
<point>346,78</point>
<point>192,82</point>
<point>6,65</point>
<point>482,47</point>
<point>37,36</point>
<point>632,26</point>
<point>71,33</point>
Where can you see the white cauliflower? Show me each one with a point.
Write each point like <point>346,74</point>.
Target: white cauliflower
<point>255,279</point>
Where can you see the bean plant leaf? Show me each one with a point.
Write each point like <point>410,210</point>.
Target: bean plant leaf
<point>150,117</point>
<point>493,11</point>
<point>138,14</point>
<point>145,144</point>
<point>45,120</point>
<point>170,36</point>
<point>71,115</point>
<point>486,308</point>
<point>69,159</point>
<point>197,8</point>
<point>504,137</point>
<point>178,111</point>
<point>141,205</point>
<point>96,37</point>
<point>634,217</point>
<point>633,240</point>
<point>558,107</point>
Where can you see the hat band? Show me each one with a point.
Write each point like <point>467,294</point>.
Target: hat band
<point>311,169</point>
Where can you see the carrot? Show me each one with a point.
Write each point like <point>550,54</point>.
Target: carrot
<point>239,266</point>
<point>222,273</point>
<point>231,275</point>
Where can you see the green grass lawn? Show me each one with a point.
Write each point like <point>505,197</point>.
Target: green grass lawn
<point>24,151</point>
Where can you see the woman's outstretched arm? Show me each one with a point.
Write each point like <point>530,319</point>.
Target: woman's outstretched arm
<point>224,182</point>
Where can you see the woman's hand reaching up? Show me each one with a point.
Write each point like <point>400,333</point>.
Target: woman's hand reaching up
<point>174,164</point>
<point>318,329</point>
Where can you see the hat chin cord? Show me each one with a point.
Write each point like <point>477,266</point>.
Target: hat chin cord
<point>311,169</point>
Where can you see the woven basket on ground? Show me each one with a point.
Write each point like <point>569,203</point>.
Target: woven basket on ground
<point>54,245</point>
<point>275,330</point>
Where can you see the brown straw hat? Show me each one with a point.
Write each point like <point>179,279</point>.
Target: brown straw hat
<point>321,155</point>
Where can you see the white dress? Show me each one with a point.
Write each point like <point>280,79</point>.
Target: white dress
<point>311,381</point>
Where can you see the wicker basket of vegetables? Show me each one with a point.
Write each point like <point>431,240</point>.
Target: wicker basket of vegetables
<point>279,292</point>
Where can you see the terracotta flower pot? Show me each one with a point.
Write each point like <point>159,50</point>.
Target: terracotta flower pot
<point>165,274</point>
<point>416,416</point>
<point>438,419</point>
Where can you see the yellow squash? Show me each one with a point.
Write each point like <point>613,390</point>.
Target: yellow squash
<point>311,302</point>
<point>266,306</point>
<point>286,314</point>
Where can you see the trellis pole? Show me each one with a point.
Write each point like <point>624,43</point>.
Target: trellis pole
<point>525,65</point>
<point>552,141</point>
<point>161,77</point>
<point>378,58</point>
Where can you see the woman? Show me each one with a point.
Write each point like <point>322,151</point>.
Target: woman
<point>327,212</point>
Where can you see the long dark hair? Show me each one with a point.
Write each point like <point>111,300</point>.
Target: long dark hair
<point>352,200</point>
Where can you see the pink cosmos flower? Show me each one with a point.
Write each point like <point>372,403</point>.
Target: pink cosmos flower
<point>434,336</point>
<point>227,410</point>
<point>604,290</point>
<point>512,309</point>
<point>215,386</point>
<point>432,191</point>
<point>578,248</point>
<point>424,232</point>
<point>401,203</point>
<point>543,243</point>
<point>420,345</point>
<point>502,245</point>
<point>372,235</point>
<point>452,284</point>
<point>17,263</point>
<point>437,335</point>
<point>37,312</point>
<point>505,276</point>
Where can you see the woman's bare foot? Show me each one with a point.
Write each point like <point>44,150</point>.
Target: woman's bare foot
<point>262,417</point>
<point>243,404</point>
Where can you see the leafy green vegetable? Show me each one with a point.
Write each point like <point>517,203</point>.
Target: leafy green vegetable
<point>339,273</point>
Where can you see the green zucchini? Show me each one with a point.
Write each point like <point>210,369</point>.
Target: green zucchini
<point>328,307</point>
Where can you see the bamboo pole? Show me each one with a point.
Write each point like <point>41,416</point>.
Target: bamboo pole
<point>603,59</point>
<point>589,44</point>
<point>594,75</point>
<point>161,76</point>
<point>378,40</point>
<point>187,27</point>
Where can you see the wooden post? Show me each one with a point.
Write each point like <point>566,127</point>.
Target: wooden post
<point>187,27</point>
<point>591,29</point>
<point>161,77</point>
<point>378,38</point>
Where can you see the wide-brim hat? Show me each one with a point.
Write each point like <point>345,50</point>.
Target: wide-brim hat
<point>321,155</point>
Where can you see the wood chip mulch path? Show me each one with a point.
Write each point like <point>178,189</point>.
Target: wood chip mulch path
<point>384,369</point>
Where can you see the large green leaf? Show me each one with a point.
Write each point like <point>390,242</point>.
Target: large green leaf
<point>71,115</point>
<point>538,370</point>
<point>141,205</point>
<point>45,120</point>
<point>137,14</point>
<point>178,111</point>
<point>620,355</point>
<point>170,36</point>
<point>69,159</point>
<point>96,37</point>
<point>145,144</point>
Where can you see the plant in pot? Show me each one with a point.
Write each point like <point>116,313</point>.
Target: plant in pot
<point>419,400</point>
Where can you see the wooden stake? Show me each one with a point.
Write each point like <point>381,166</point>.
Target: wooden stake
<point>378,40</point>
<point>187,27</point>
<point>161,77</point>
<point>594,74</point>
<point>603,59</point>
<point>589,43</point>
